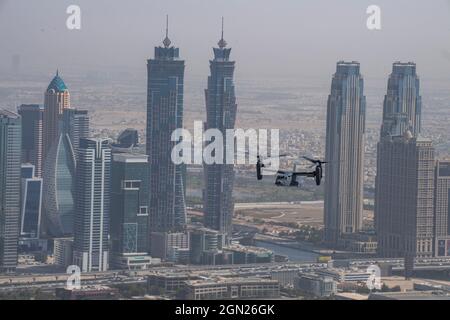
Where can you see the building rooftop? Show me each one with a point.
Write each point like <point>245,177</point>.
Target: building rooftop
<point>223,280</point>
<point>410,295</point>
<point>57,84</point>
<point>8,114</point>
<point>130,157</point>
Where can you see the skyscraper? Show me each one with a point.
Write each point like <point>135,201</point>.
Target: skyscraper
<point>404,205</point>
<point>90,248</point>
<point>346,113</point>
<point>32,125</point>
<point>402,105</point>
<point>404,197</point>
<point>59,188</point>
<point>31,203</point>
<point>129,206</point>
<point>128,138</point>
<point>57,98</point>
<point>442,209</point>
<point>221,107</point>
<point>76,126</point>
<point>10,155</point>
<point>59,178</point>
<point>164,115</point>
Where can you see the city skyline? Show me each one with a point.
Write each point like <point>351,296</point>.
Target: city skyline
<point>95,203</point>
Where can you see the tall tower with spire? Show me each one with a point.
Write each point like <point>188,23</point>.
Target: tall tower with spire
<point>221,107</point>
<point>165,87</point>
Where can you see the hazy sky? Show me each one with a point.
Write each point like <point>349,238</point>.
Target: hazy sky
<point>299,38</point>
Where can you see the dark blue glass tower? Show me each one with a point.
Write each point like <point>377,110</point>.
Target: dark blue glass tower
<point>129,205</point>
<point>31,203</point>
<point>220,114</point>
<point>167,209</point>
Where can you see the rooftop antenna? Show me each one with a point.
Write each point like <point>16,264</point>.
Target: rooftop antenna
<point>222,28</point>
<point>167,41</point>
<point>222,43</point>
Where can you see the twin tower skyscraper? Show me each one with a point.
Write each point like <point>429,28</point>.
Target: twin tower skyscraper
<point>404,183</point>
<point>167,180</point>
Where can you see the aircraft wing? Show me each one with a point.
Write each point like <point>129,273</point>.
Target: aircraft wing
<point>304,173</point>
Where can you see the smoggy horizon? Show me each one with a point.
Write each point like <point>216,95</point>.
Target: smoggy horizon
<point>269,39</point>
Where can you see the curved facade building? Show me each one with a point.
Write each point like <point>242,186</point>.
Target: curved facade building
<point>58,188</point>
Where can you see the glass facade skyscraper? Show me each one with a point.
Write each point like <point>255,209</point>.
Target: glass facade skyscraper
<point>165,87</point>
<point>346,115</point>
<point>31,203</point>
<point>58,198</point>
<point>405,181</point>
<point>76,126</point>
<point>129,204</point>
<point>221,107</point>
<point>10,156</point>
<point>32,135</point>
<point>91,236</point>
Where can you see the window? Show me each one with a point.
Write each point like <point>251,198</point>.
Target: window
<point>131,184</point>
<point>143,210</point>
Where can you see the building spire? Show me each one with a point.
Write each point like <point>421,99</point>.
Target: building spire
<point>57,72</point>
<point>222,43</point>
<point>166,40</point>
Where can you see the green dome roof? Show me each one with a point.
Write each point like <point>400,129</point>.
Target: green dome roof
<point>57,84</point>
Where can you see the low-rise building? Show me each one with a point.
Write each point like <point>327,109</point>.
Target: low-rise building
<point>248,254</point>
<point>410,295</point>
<point>87,293</point>
<point>344,275</point>
<point>315,285</point>
<point>134,261</point>
<point>232,288</point>
<point>168,282</point>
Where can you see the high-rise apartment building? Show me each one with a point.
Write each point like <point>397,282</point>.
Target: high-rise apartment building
<point>221,107</point>
<point>76,126</point>
<point>346,113</point>
<point>31,203</point>
<point>92,199</point>
<point>442,208</point>
<point>129,206</point>
<point>404,204</point>
<point>10,156</point>
<point>32,135</point>
<point>404,195</point>
<point>167,209</point>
